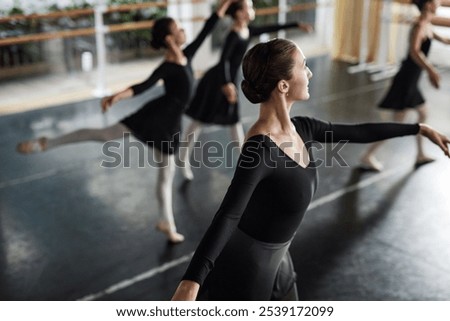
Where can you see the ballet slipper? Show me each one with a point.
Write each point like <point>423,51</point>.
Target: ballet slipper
<point>423,161</point>
<point>187,173</point>
<point>172,236</point>
<point>371,164</point>
<point>32,146</point>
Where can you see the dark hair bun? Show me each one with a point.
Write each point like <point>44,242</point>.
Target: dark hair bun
<point>156,44</point>
<point>420,3</point>
<point>250,92</point>
<point>160,30</point>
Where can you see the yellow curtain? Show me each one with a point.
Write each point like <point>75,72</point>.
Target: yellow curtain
<point>349,25</point>
<point>374,28</point>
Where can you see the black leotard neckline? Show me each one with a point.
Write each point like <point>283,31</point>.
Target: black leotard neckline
<point>281,150</point>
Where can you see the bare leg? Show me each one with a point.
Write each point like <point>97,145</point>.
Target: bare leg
<point>166,172</point>
<point>237,133</point>
<point>100,135</point>
<point>191,137</point>
<point>368,160</point>
<point>422,159</point>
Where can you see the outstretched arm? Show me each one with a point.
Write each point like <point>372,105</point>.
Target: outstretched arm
<point>137,89</point>
<point>107,102</point>
<point>223,7</point>
<point>326,132</point>
<point>192,48</point>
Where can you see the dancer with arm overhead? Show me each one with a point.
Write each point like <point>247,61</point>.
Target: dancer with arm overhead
<point>216,98</point>
<point>404,94</point>
<point>244,253</point>
<point>158,122</point>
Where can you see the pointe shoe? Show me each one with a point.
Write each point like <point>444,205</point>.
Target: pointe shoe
<point>371,164</point>
<point>423,161</point>
<point>32,146</point>
<point>172,237</point>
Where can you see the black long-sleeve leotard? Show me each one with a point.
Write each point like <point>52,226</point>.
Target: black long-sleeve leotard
<point>270,192</point>
<point>158,122</point>
<point>209,104</point>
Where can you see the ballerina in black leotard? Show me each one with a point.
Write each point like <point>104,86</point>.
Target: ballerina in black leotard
<point>158,122</point>
<point>404,93</point>
<point>215,100</point>
<point>243,255</point>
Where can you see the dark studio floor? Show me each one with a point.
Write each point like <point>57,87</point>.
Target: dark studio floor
<point>71,229</point>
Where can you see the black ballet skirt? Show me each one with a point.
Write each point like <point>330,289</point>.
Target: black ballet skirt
<point>158,122</point>
<point>209,104</point>
<point>404,91</point>
<point>244,253</point>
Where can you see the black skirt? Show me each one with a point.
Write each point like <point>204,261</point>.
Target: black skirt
<point>158,124</point>
<point>404,91</point>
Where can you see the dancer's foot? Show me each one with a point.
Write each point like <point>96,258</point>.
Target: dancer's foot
<point>370,163</point>
<point>172,237</point>
<point>187,172</point>
<point>423,160</point>
<point>32,146</point>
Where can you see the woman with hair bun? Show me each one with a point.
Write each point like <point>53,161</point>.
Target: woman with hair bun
<point>404,94</point>
<point>158,122</point>
<point>216,98</point>
<point>244,253</point>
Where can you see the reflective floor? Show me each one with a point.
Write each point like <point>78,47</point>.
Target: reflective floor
<point>72,228</point>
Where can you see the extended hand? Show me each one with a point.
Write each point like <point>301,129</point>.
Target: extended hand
<point>439,139</point>
<point>106,103</point>
<point>223,7</point>
<point>435,79</point>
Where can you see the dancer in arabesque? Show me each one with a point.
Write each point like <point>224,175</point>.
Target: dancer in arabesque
<point>244,253</point>
<point>216,98</point>
<point>158,122</point>
<point>404,94</point>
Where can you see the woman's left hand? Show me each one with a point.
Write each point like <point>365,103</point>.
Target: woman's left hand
<point>230,92</point>
<point>439,139</point>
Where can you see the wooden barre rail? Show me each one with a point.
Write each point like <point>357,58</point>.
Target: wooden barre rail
<point>127,26</point>
<point>159,4</point>
<point>293,8</point>
<point>83,12</point>
<point>90,11</point>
